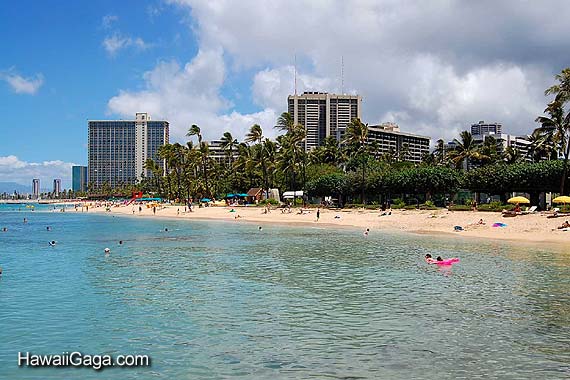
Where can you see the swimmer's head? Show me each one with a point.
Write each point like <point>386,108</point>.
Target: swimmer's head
<point>428,256</point>
<point>107,250</point>
<point>120,242</point>
<point>439,258</point>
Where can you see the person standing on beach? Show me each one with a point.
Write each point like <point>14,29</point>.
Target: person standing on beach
<point>318,213</point>
<point>154,210</point>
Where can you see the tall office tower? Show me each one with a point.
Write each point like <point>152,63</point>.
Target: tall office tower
<point>79,178</point>
<point>483,128</point>
<point>118,149</point>
<point>56,187</point>
<point>323,114</point>
<point>36,188</point>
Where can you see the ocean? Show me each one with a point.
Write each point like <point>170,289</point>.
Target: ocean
<point>217,300</point>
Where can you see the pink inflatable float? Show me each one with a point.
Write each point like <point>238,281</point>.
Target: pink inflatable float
<point>451,261</point>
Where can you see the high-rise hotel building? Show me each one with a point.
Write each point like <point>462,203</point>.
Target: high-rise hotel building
<point>323,114</point>
<point>118,149</point>
<point>36,188</point>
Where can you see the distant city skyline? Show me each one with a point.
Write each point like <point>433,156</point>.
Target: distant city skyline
<point>194,62</point>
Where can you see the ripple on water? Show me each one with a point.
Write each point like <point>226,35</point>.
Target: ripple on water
<point>217,300</point>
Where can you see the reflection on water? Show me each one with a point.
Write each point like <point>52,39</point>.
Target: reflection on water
<point>214,300</point>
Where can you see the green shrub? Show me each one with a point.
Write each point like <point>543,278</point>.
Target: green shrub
<point>398,203</point>
<point>410,207</point>
<point>360,205</point>
<point>428,206</point>
<point>494,207</point>
<point>460,208</point>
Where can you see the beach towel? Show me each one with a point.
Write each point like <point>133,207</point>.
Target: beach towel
<point>499,225</point>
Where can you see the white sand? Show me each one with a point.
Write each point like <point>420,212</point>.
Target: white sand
<point>532,228</point>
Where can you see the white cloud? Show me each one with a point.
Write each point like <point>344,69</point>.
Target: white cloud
<point>108,20</point>
<point>272,86</point>
<point>13,169</point>
<point>190,95</point>
<point>113,44</point>
<point>21,85</point>
<point>433,67</point>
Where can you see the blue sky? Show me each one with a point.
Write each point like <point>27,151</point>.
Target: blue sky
<point>432,67</point>
<point>62,40</point>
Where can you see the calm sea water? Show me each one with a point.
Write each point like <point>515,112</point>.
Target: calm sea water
<point>214,300</point>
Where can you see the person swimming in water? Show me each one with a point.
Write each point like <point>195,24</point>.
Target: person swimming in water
<point>107,251</point>
<point>52,243</point>
<point>48,228</point>
<point>260,229</point>
<point>366,232</point>
<point>429,259</point>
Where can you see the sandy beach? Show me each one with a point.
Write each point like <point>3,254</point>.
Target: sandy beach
<point>531,228</point>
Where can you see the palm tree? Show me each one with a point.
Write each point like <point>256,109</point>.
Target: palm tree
<point>541,145</point>
<point>562,89</point>
<point>355,138</point>
<point>557,126</point>
<point>194,130</point>
<point>439,152</point>
<point>285,122</point>
<point>465,150</point>
<point>328,153</point>
<point>228,144</point>
<point>204,152</point>
<point>255,134</point>
<point>512,155</point>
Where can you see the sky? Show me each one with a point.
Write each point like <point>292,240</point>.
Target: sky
<point>433,67</point>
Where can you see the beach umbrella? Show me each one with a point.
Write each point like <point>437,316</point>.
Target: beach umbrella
<point>518,200</point>
<point>205,200</point>
<point>562,199</point>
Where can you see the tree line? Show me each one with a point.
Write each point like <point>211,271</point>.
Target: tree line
<point>353,170</point>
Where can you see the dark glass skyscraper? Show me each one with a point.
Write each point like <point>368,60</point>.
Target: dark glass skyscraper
<point>118,149</point>
<point>79,178</point>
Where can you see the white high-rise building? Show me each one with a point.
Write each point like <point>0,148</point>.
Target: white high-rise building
<point>323,114</point>
<point>118,149</point>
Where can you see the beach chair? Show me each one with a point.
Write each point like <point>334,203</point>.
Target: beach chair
<point>531,210</point>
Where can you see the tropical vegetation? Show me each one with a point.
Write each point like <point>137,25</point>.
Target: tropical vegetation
<point>352,170</point>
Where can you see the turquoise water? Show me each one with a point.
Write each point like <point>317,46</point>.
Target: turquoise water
<point>214,300</point>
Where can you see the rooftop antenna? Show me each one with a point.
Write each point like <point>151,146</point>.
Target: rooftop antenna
<point>342,75</point>
<point>295,74</point>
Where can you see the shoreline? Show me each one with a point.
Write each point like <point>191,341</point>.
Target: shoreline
<point>535,229</point>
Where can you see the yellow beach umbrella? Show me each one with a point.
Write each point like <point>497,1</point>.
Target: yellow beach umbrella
<point>518,200</point>
<point>562,199</point>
